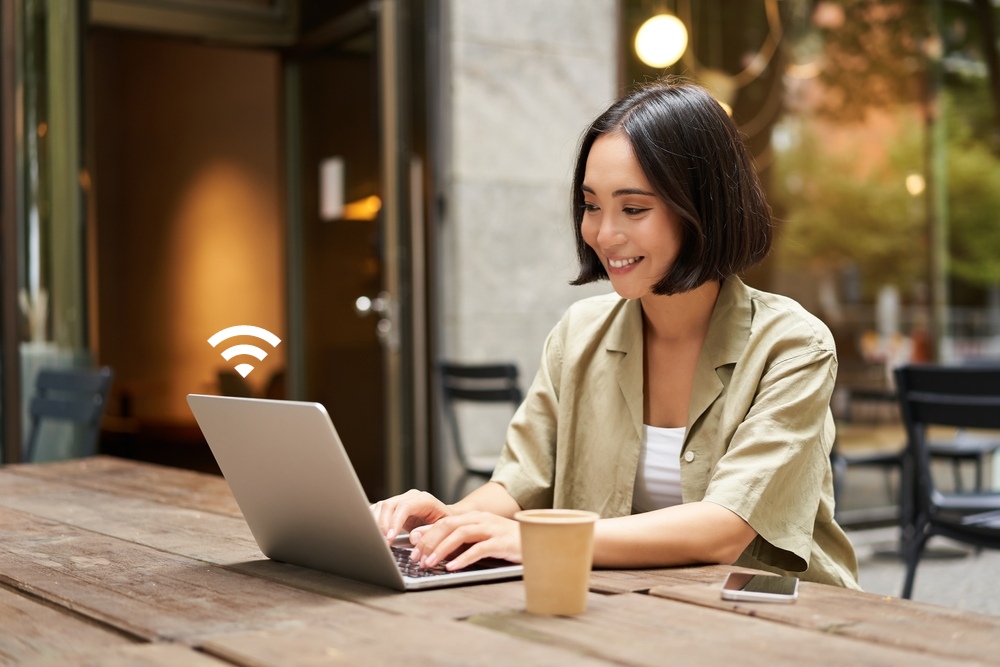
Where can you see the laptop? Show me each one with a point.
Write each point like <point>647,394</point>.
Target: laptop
<point>302,500</point>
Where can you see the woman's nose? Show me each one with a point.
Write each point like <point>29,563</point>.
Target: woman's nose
<point>609,234</point>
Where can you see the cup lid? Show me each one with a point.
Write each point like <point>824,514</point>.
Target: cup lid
<point>556,516</point>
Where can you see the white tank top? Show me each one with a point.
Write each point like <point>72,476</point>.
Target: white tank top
<point>658,478</point>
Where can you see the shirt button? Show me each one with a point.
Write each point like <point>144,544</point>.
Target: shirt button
<point>689,456</point>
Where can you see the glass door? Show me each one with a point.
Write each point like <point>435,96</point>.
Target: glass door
<point>351,279</point>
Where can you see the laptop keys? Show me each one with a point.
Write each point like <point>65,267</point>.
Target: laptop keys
<point>411,568</point>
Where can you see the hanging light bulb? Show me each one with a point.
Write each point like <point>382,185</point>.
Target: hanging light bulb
<point>661,40</point>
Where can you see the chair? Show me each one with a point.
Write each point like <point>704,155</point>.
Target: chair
<point>477,384</point>
<point>868,407</point>
<point>963,397</point>
<point>963,447</point>
<point>232,383</point>
<point>76,395</point>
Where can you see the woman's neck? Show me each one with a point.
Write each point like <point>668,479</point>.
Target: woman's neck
<point>682,316</point>
<point>674,330</point>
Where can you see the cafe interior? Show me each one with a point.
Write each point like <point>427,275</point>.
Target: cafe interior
<point>171,170</point>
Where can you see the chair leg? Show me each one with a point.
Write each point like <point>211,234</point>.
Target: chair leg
<point>913,552</point>
<point>957,472</point>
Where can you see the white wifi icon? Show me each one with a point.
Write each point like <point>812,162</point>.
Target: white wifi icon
<point>243,348</point>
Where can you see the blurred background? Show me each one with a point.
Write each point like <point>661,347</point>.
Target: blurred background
<point>384,185</point>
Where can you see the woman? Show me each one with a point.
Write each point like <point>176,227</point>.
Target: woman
<point>689,410</point>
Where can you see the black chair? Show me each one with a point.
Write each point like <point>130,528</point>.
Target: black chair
<point>962,397</point>
<point>77,395</point>
<point>477,384</point>
<point>867,407</point>
<point>870,406</point>
<point>232,383</point>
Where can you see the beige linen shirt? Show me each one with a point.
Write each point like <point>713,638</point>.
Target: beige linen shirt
<point>758,435</point>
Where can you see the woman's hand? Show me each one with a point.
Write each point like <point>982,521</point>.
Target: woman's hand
<point>484,535</point>
<point>408,511</point>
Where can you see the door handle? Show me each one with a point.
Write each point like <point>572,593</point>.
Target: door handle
<point>387,310</point>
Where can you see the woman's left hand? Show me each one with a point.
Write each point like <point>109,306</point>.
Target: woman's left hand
<point>485,534</point>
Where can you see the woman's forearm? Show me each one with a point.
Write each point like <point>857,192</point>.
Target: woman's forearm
<point>490,497</point>
<point>699,532</point>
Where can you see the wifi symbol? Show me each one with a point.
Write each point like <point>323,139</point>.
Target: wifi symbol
<point>236,350</point>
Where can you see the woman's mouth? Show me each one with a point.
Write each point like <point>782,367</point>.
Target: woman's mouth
<point>622,263</point>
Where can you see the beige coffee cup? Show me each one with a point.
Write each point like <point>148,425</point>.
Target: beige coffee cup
<point>557,549</point>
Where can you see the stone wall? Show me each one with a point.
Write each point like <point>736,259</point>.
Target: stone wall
<point>525,78</point>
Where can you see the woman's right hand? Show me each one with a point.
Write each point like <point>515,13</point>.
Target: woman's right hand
<point>407,511</point>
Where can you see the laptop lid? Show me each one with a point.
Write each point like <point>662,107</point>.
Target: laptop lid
<point>299,493</point>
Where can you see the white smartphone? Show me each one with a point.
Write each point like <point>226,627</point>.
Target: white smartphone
<point>760,587</point>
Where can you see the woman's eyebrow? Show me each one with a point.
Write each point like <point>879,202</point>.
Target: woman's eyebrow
<point>621,192</point>
<point>632,191</point>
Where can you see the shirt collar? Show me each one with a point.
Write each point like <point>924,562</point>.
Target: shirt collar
<point>728,332</point>
<point>728,329</point>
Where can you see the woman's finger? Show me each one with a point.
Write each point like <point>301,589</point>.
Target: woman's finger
<point>467,538</point>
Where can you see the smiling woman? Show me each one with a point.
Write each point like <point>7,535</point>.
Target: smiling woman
<point>635,235</point>
<point>687,409</point>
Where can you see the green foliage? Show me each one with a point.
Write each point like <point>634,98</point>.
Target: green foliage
<point>832,213</point>
<point>974,211</point>
<point>875,59</point>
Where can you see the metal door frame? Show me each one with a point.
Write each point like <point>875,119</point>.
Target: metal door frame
<point>403,281</point>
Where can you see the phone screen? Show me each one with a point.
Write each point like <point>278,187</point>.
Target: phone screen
<point>760,586</point>
<point>775,585</point>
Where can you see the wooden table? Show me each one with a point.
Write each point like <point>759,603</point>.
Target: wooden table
<point>107,561</point>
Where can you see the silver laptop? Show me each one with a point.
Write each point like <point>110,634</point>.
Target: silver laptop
<point>301,498</point>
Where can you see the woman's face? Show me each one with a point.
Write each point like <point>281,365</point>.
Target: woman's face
<point>633,233</point>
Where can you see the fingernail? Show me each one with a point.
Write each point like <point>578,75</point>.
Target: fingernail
<point>390,534</point>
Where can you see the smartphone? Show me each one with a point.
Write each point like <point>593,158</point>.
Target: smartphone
<point>760,587</point>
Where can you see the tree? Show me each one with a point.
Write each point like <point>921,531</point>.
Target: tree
<point>838,214</point>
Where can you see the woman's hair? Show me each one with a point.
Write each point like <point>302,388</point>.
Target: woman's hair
<point>691,153</point>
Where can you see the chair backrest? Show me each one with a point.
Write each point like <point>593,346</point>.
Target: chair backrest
<point>232,383</point>
<point>477,383</point>
<point>76,395</point>
<point>964,397</point>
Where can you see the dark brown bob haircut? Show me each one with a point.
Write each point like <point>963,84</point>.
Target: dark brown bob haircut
<point>692,154</point>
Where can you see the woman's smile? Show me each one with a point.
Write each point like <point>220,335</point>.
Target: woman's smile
<point>623,263</point>
<point>630,228</point>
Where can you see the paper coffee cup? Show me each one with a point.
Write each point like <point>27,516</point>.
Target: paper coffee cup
<point>557,550</point>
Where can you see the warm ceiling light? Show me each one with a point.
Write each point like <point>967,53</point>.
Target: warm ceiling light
<point>661,41</point>
<point>915,184</point>
<point>362,209</point>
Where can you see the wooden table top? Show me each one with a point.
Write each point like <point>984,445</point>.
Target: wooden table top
<point>107,561</point>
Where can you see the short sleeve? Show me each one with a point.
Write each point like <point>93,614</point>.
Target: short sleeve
<point>773,472</point>
<point>526,468</point>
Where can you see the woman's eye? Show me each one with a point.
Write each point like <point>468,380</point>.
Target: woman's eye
<point>631,210</point>
<point>589,208</point>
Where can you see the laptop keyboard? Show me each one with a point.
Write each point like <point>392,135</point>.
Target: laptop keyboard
<point>412,568</point>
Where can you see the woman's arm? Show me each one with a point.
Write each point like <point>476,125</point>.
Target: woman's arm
<point>414,509</point>
<point>698,532</point>
<point>692,533</point>
<point>490,497</point>
<point>482,522</point>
